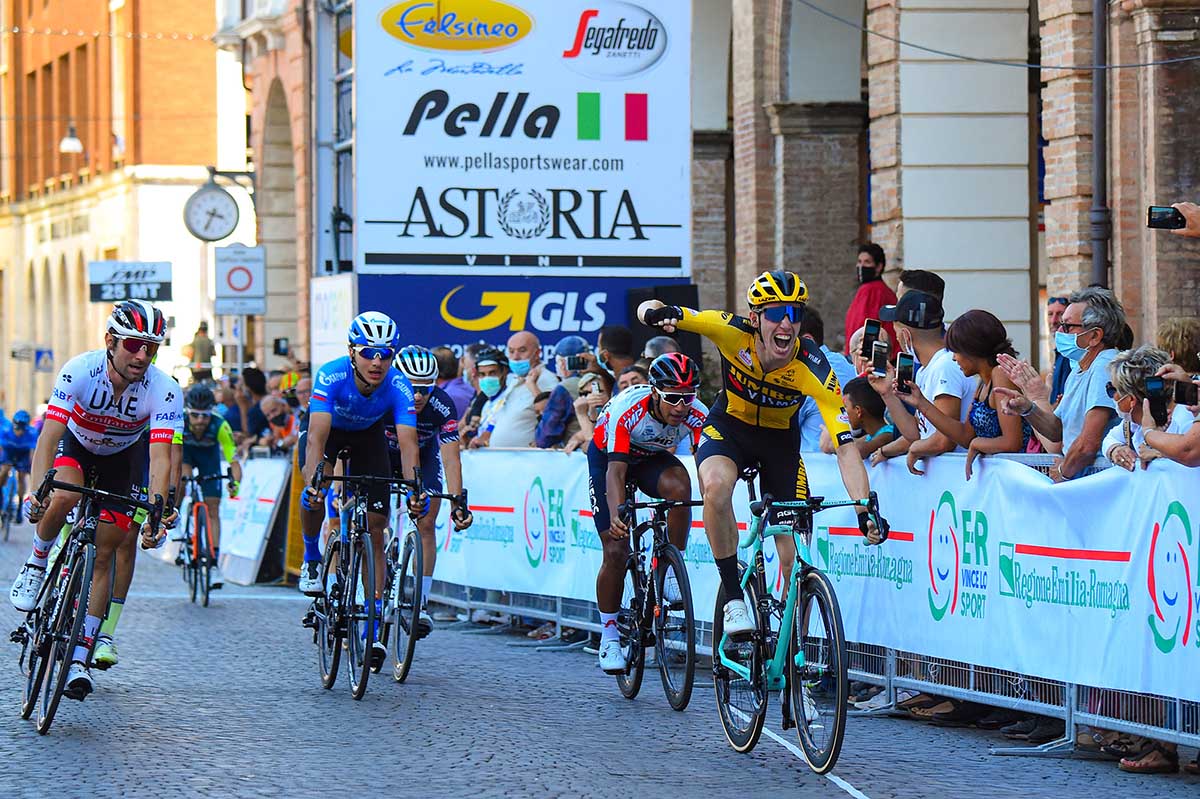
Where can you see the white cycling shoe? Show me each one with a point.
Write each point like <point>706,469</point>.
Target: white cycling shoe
<point>612,657</point>
<point>25,588</point>
<point>310,578</point>
<point>216,579</point>
<point>79,682</point>
<point>737,622</point>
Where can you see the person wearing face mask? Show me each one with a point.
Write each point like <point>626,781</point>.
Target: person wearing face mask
<point>1087,334</point>
<point>614,349</point>
<point>872,293</point>
<point>1127,386</point>
<point>282,427</point>
<point>491,371</point>
<point>558,421</point>
<point>515,421</point>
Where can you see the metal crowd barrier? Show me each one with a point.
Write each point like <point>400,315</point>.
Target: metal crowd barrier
<point>1159,717</point>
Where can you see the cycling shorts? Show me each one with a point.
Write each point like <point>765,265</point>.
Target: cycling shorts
<point>368,457</point>
<point>431,466</point>
<point>119,473</point>
<point>776,453</point>
<point>645,472</point>
<point>18,457</point>
<point>207,462</point>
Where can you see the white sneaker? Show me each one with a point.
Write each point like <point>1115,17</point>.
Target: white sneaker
<point>879,700</point>
<point>215,578</point>
<point>811,713</point>
<point>25,588</point>
<point>424,624</point>
<point>310,578</point>
<point>612,657</point>
<point>79,682</point>
<point>737,619</point>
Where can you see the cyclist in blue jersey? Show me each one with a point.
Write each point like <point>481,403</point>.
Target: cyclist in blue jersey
<point>17,441</point>
<point>437,439</point>
<point>354,399</point>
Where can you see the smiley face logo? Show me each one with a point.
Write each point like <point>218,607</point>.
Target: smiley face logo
<point>1169,578</point>
<point>943,558</point>
<point>537,524</point>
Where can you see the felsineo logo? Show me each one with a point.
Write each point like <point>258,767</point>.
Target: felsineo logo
<point>549,312</point>
<point>617,40</point>
<point>537,524</point>
<point>1169,579</point>
<point>457,25</point>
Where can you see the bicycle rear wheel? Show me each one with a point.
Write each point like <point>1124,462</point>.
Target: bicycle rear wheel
<point>202,554</point>
<point>406,601</point>
<point>328,609</point>
<point>66,632</point>
<point>362,621</point>
<point>819,688</point>
<point>741,703</point>
<point>674,627</point>
<point>33,654</point>
<point>629,623</point>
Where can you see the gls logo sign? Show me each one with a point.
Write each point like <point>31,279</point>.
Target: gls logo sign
<point>617,41</point>
<point>551,311</point>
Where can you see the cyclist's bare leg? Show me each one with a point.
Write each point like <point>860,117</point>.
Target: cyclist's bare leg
<point>61,504</point>
<point>22,483</point>
<point>126,556</point>
<point>426,526</point>
<point>5,468</point>
<point>718,476</point>
<point>675,484</point>
<point>109,539</point>
<point>786,547</point>
<point>611,577</point>
<point>214,521</point>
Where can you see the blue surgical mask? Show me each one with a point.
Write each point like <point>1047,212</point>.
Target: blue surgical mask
<point>490,386</point>
<point>600,359</point>
<point>520,368</point>
<point>1067,345</point>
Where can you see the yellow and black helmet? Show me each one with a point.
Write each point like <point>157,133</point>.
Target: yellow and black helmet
<point>777,286</point>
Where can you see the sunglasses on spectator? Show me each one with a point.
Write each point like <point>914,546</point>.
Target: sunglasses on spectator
<point>371,353</point>
<point>199,414</point>
<point>1112,391</point>
<point>1066,327</point>
<point>777,313</point>
<point>422,388</point>
<point>677,398</point>
<point>1057,301</point>
<point>136,345</point>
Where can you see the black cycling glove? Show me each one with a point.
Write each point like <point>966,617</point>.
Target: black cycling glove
<point>658,315</point>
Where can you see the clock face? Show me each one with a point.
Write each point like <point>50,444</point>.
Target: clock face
<point>211,214</point>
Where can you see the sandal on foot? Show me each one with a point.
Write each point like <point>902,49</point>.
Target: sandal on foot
<point>1156,760</point>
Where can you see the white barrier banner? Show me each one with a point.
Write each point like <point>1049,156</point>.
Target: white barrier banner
<point>246,520</point>
<point>1093,582</point>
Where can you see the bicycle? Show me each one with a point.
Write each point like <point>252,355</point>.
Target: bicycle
<point>51,631</point>
<point>10,502</point>
<point>805,660</point>
<point>406,565</point>
<point>656,605</point>
<point>344,614</point>
<point>195,550</point>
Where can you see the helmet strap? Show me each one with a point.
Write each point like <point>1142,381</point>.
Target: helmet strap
<point>112,362</point>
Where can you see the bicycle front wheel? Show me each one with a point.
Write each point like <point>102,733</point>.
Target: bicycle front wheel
<point>674,627</point>
<point>363,622</point>
<point>66,632</point>
<point>202,554</point>
<point>406,601</point>
<point>819,687</point>
<point>328,609</point>
<point>741,700</point>
<point>629,623</point>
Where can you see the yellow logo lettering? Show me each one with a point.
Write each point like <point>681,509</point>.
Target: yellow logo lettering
<point>506,306</point>
<point>464,25</point>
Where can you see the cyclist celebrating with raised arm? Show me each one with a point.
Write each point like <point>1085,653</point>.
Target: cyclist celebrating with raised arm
<point>437,439</point>
<point>16,443</point>
<point>768,370</point>
<point>206,439</point>
<point>102,403</point>
<point>354,398</point>
<point>634,442</point>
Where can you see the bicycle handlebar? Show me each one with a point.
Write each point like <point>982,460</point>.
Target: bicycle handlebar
<point>155,508</point>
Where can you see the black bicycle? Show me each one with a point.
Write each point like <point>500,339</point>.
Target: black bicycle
<point>406,565</point>
<point>656,605</point>
<point>195,550</point>
<point>51,631</point>
<point>10,502</point>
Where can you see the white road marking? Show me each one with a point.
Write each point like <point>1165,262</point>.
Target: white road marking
<point>795,750</point>
<point>221,595</point>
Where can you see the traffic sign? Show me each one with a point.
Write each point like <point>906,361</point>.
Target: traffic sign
<point>241,280</point>
<point>22,351</point>
<point>43,361</point>
<point>113,281</point>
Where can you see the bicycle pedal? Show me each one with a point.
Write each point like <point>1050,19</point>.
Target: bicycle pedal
<point>19,636</point>
<point>310,620</point>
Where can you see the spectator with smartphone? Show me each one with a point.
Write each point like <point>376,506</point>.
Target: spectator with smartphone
<point>862,363</point>
<point>1184,447</point>
<point>918,317</point>
<point>867,416</point>
<point>872,293</point>
<point>1087,335</point>
<point>1139,393</point>
<point>614,349</point>
<point>595,390</point>
<point>558,422</point>
<point>812,327</point>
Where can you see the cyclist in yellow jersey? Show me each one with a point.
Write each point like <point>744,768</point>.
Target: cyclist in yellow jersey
<point>768,370</point>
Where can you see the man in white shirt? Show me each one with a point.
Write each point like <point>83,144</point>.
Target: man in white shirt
<point>515,422</point>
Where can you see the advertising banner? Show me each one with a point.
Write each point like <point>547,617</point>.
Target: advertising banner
<point>331,311</point>
<point>246,519</point>
<point>435,309</point>
<point>547,137</point>
<point>113,281</point>
<point>1093,582</point>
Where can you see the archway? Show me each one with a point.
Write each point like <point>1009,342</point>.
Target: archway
<point>277,227</point>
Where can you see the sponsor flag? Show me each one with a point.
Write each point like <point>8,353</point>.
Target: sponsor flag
<point>636,116</point>
<point>589,116</point>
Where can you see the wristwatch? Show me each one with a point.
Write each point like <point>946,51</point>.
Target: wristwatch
<point>1032,408</point>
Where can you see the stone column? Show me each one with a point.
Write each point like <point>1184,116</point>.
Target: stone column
<point>818,206</point>
<point>712,153</point>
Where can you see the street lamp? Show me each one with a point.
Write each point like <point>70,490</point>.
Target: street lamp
<point>70,143</point>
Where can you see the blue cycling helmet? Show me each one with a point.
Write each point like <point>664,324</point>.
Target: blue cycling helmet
<point>21,417</point>
<point>373,329</point>
<point>571,345</point>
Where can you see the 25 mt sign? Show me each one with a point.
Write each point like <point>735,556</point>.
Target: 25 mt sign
<point>113,281</point>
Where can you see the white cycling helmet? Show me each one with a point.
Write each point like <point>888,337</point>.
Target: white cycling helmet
<point>137,319</point>
<point>373,329</point>
<point>417,363</point>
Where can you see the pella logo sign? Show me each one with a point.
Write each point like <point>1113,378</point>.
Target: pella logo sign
<point>616,41</point>
<point>457,25</point>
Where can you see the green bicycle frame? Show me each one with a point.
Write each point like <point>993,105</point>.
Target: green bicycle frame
<point>753,540</point>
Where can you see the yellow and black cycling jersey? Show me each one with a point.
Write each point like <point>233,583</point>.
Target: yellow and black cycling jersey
<point>768,399</point>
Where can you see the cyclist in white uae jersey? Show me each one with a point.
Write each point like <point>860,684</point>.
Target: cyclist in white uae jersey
<point>635,440</point>
<point>102,403</point>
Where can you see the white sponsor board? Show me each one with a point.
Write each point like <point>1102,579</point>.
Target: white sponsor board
<point>1093,582</point>
<point>331,311</point>
<point>547,137</point>
<point>246,520</point>
<point>114,281</point>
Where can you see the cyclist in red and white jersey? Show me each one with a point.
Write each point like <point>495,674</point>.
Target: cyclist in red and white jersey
<point>635,440</point>
<point>102,403</point>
